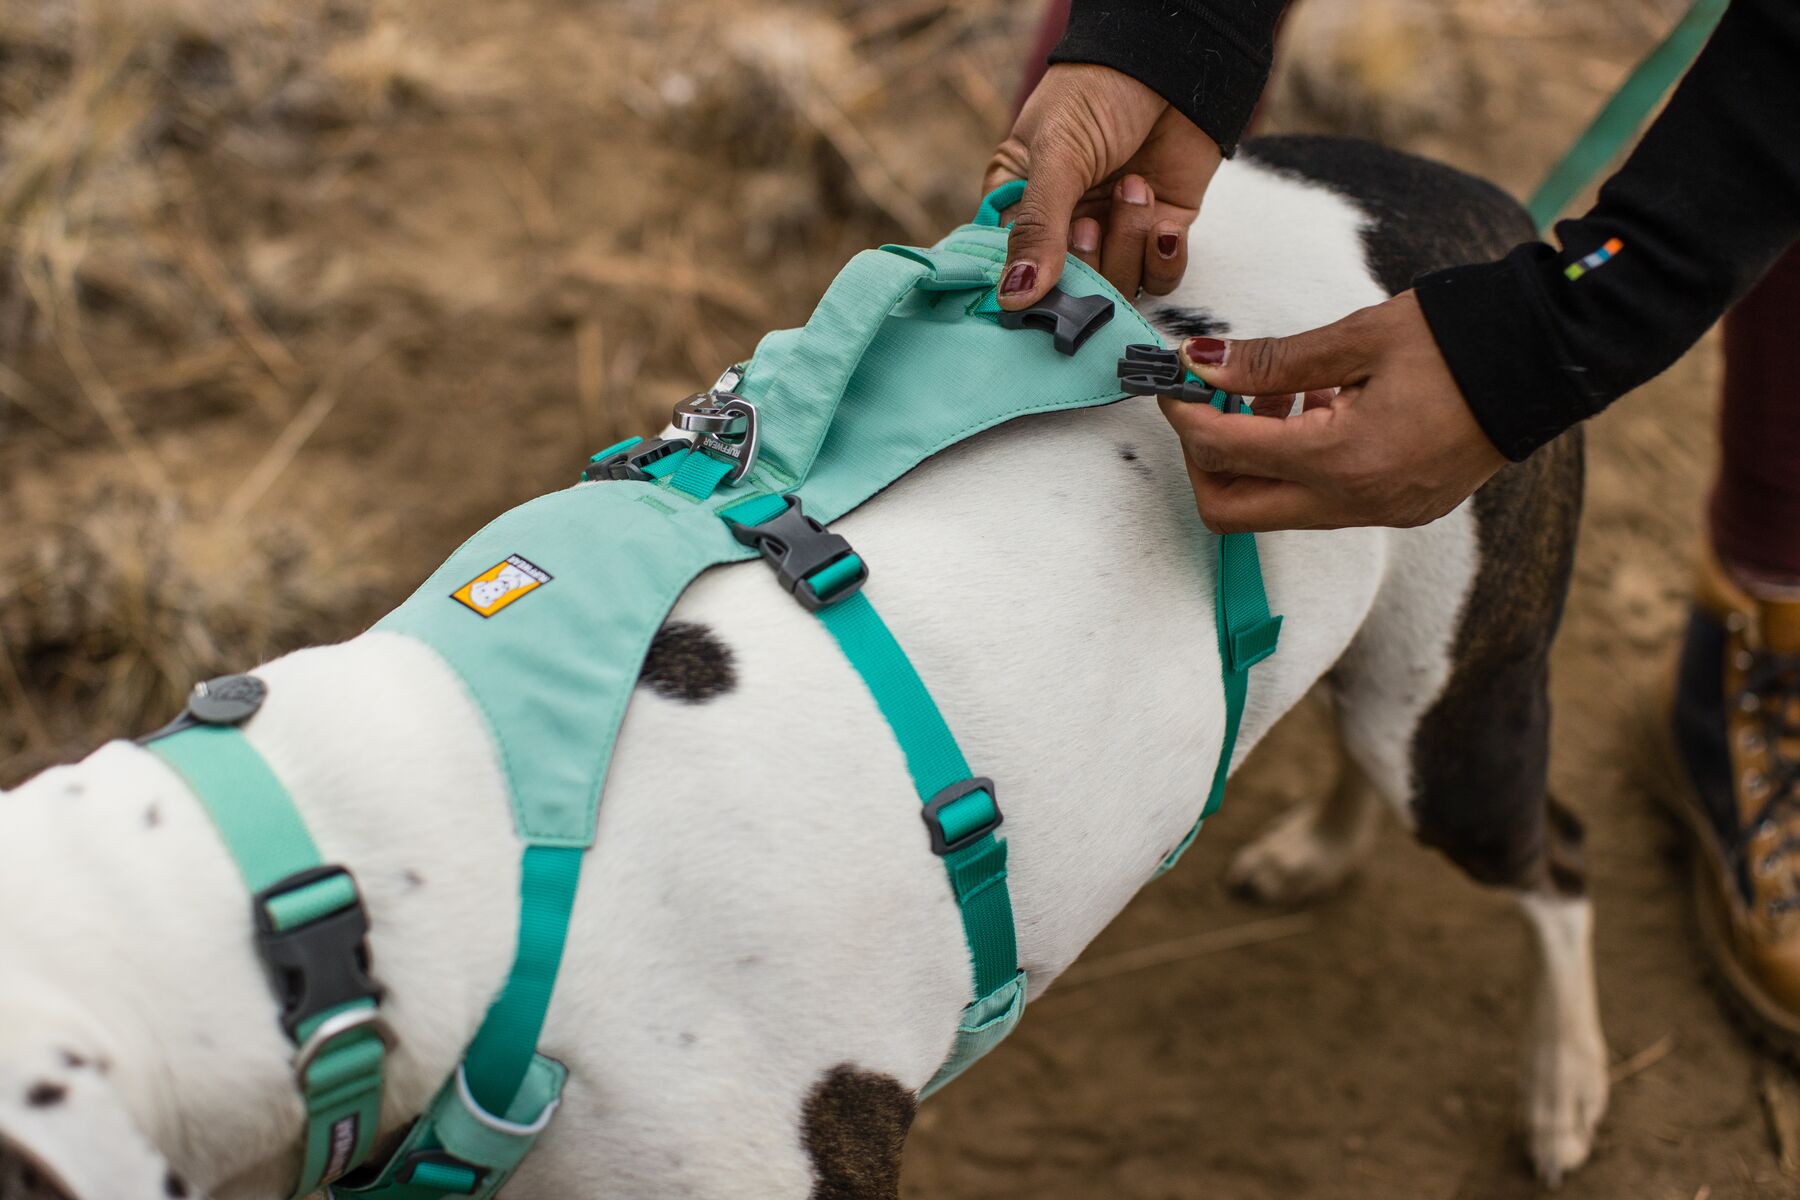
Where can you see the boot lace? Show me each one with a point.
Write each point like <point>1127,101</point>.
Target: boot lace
<point>1772,691</point>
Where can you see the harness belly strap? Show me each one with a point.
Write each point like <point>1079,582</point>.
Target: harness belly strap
<point>961,812</point>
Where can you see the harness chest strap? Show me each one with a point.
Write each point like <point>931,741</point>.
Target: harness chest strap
<point>309,924</point>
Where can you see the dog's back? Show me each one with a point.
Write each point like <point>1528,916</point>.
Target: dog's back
<point>765,963</point>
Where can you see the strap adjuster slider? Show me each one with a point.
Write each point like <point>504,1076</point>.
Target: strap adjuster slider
<point>962,814</point>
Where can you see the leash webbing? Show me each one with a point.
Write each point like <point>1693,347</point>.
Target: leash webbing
<point>962,811</point>
<point>340,1078</point>
<point>1621,116</point>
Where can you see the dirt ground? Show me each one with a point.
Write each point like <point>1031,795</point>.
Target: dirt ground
<point>293,296</point>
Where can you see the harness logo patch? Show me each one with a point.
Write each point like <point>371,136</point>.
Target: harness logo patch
<point>501,584</point>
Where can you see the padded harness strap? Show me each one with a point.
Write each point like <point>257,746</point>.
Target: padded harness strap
<point>310,926</point>
<point>961,811</point>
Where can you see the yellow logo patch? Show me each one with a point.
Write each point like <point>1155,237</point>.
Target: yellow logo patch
<point>501,584</point>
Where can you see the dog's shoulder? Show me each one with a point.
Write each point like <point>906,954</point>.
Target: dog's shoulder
<point>1421,215</point>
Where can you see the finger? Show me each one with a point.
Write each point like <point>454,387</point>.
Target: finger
<point>1165,257</point>
<point>1244,504</point>
<point>1330,356</point>
<point>1127,230</point>
<point>1246,444</point>
<point>1084,241</point>
<point>1040,222</point>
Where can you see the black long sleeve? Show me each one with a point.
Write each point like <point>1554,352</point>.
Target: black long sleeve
<point>1208,58</point>
<point>1707,202</point>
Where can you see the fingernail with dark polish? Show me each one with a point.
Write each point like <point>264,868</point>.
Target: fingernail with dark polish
<point>1167,244</point>
<point>1018,278</point>
<point>1209,352</point>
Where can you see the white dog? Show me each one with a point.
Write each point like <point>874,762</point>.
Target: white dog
<point>765,962</point>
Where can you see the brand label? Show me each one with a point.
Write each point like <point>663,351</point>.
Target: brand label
<point>501,584</point>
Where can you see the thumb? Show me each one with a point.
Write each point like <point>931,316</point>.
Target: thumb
<point>1334,355</point>
<point>1040,223</point>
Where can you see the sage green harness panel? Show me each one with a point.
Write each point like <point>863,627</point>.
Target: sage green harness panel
<point>553,670</point>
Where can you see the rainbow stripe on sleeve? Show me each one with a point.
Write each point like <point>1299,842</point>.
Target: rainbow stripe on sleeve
<point>1576,270</point>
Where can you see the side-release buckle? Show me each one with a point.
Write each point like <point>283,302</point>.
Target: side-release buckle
<point>1148,370</point>
<point>630,459</point>
<point>962,814</point>
<point>814,565</point>
<point>311,932</point>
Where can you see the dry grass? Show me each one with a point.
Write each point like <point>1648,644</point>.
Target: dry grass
<point>268,267</point>
<point>243,244</point>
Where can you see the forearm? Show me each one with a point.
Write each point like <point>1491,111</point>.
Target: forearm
<point>1207,58</point>
<point>1710,198</point>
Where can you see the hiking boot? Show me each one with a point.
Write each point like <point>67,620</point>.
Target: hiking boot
<point>1737,732</point>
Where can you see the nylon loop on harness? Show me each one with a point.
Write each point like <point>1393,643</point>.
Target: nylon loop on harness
<point>962,812</point>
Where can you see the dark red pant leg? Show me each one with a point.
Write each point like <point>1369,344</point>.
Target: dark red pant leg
<point>1756,502</point>
<point>1056,19</point>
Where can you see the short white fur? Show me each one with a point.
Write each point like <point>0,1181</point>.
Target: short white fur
<point>761,904</point>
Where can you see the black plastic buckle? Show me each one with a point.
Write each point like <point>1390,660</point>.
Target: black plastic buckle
<point>941,845</point>
<point>633,461</point>
<point>1069,320</point>
<point>318,965</point>
<point>1148,370</point>
<point>418,1158</point>
<point>798,547</point>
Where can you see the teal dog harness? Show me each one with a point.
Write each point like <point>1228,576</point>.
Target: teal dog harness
<point>546,615</point>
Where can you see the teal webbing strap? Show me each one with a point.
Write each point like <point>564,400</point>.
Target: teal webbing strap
<point>267,839</point>
<point>976,869</point>
<point>997,201</point>
<point>1620,118</point>
<point>498,1058</point>
<point>1247,635</point>
<point>699,474</point>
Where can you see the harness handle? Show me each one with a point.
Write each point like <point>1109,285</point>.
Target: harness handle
<point>798,376</point>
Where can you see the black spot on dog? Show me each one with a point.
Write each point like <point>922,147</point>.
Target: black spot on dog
<point>1188,322</point>
<point>854,1127</point>
<point>72,1060</point>
<point>1130,455</point>
<point>1127,453</point>
<point>152,817</point>
<point>45,1094</point>
<point>412,879</point>
<point>174,1185</point>
<point>687,663</point>
<point>1423,216</point>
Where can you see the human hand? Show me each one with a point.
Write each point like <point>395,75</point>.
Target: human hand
<point>1114,175</point>
<point>1395,445</point>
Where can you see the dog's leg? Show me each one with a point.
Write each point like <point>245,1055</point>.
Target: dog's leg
<point>1313,848</point>
<point>1565,1075</point>
<point>1444,700</point>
